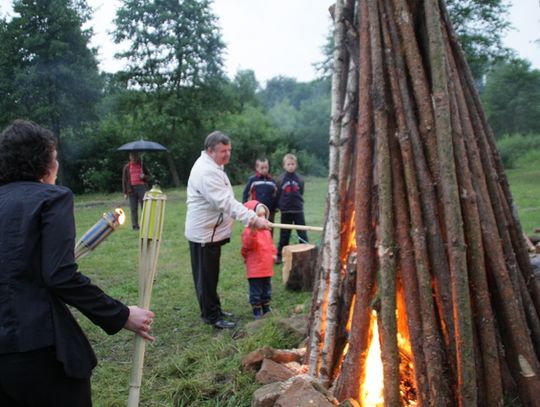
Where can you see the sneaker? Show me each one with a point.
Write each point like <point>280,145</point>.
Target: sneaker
<point>278,260</point>
<point>225,314</point>
<point>222,324</point>
<point>257,311</point>
<point>266,308</point>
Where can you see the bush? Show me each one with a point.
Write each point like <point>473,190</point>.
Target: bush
<point>531,159</point>
<point>513,148</point>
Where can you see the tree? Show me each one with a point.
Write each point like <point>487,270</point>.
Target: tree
<point>54,71</point>
<point>175,60</point>
<point>512,98</point>
<point>48,70</point>
<point>172,44</point>
<point>480,25</point>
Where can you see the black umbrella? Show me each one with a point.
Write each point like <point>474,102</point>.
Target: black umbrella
<point>142,145</point>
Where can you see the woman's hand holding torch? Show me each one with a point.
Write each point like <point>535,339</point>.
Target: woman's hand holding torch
<point>140,321</point>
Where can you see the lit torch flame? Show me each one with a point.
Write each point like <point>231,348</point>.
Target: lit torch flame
<point>108,223</point>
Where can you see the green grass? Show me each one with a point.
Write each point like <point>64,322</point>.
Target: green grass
<point>190,364</point>
<point>525,187</point>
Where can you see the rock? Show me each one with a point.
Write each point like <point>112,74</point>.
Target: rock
<point>273,372</point>
<point>301,393</point>
<point>299,309</point>
<point>535,263</point>
<point>253,360</point>
<point>295,325</point>
<point>267,395</point>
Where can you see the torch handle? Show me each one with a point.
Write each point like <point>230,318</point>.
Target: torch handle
<point>295,227</point>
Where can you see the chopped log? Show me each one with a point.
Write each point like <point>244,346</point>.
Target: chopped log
<point>298,266</point>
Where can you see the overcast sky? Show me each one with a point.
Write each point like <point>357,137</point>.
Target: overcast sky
<point>285,37</point>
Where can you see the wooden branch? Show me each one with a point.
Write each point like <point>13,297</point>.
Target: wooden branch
<point>353,367</point>
<point>344,12</point>
<point>328,283</point>
<point>415,167</point>
<point>385,246</point>
<point>295,227</point>
<point>466,372</point>
<point>489,366</point>
<point>427,162</point>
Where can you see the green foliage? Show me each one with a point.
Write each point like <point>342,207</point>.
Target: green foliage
<point>172,44</point>
<point>301,113</point>
<point>512,98</point>
<point>514,148</point>
<point>525,192</point>
<point>252,137</point>
<point>48,72</point>
<point>480,26</point>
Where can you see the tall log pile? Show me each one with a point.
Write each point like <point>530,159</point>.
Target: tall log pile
<point>412,156</point>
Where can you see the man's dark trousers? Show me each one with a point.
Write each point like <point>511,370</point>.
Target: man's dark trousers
<point>205,268</point>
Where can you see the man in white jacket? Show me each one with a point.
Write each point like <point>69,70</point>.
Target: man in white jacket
<point>211,209</point>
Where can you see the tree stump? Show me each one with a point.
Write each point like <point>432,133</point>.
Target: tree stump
<point>299,266</point>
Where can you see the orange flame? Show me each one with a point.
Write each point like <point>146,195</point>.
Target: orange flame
<point>121,216</point>
<point>371,391</point>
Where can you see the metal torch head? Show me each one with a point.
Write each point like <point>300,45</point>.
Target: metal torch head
<point>99,232</point>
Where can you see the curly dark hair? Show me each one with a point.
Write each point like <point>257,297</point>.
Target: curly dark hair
<point>26,151</point>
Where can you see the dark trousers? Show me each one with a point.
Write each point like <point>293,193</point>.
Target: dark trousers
<point>205,268</point>
<point>136,200</point>
<point>37,379</point>
<point>260,290</point>
<point>296,218</point>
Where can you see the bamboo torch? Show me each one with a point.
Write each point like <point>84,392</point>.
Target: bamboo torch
<point>108,223</point>
<point>152,218</point>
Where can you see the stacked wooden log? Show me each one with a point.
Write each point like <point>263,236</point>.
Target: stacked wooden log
<point>413,158</point>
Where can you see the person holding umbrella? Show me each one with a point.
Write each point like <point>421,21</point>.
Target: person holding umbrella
<point>135,178</point>
<point>45,358</point>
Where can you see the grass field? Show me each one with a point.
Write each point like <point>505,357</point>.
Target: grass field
<point>191,364</point>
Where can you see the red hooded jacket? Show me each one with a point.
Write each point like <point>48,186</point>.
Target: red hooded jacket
<point>258,249</point>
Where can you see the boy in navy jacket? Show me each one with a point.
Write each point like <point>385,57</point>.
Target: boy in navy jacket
<point>262,187</point>
<point>290,202</point>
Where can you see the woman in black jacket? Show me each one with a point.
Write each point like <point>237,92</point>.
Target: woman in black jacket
<point>45,358</point>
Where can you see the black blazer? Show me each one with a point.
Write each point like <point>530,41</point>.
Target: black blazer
<point>38,277</point>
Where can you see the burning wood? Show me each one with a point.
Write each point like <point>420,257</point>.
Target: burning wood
<point>442,274</point>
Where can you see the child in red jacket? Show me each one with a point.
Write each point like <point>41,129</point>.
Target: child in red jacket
<point>259,253</point>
